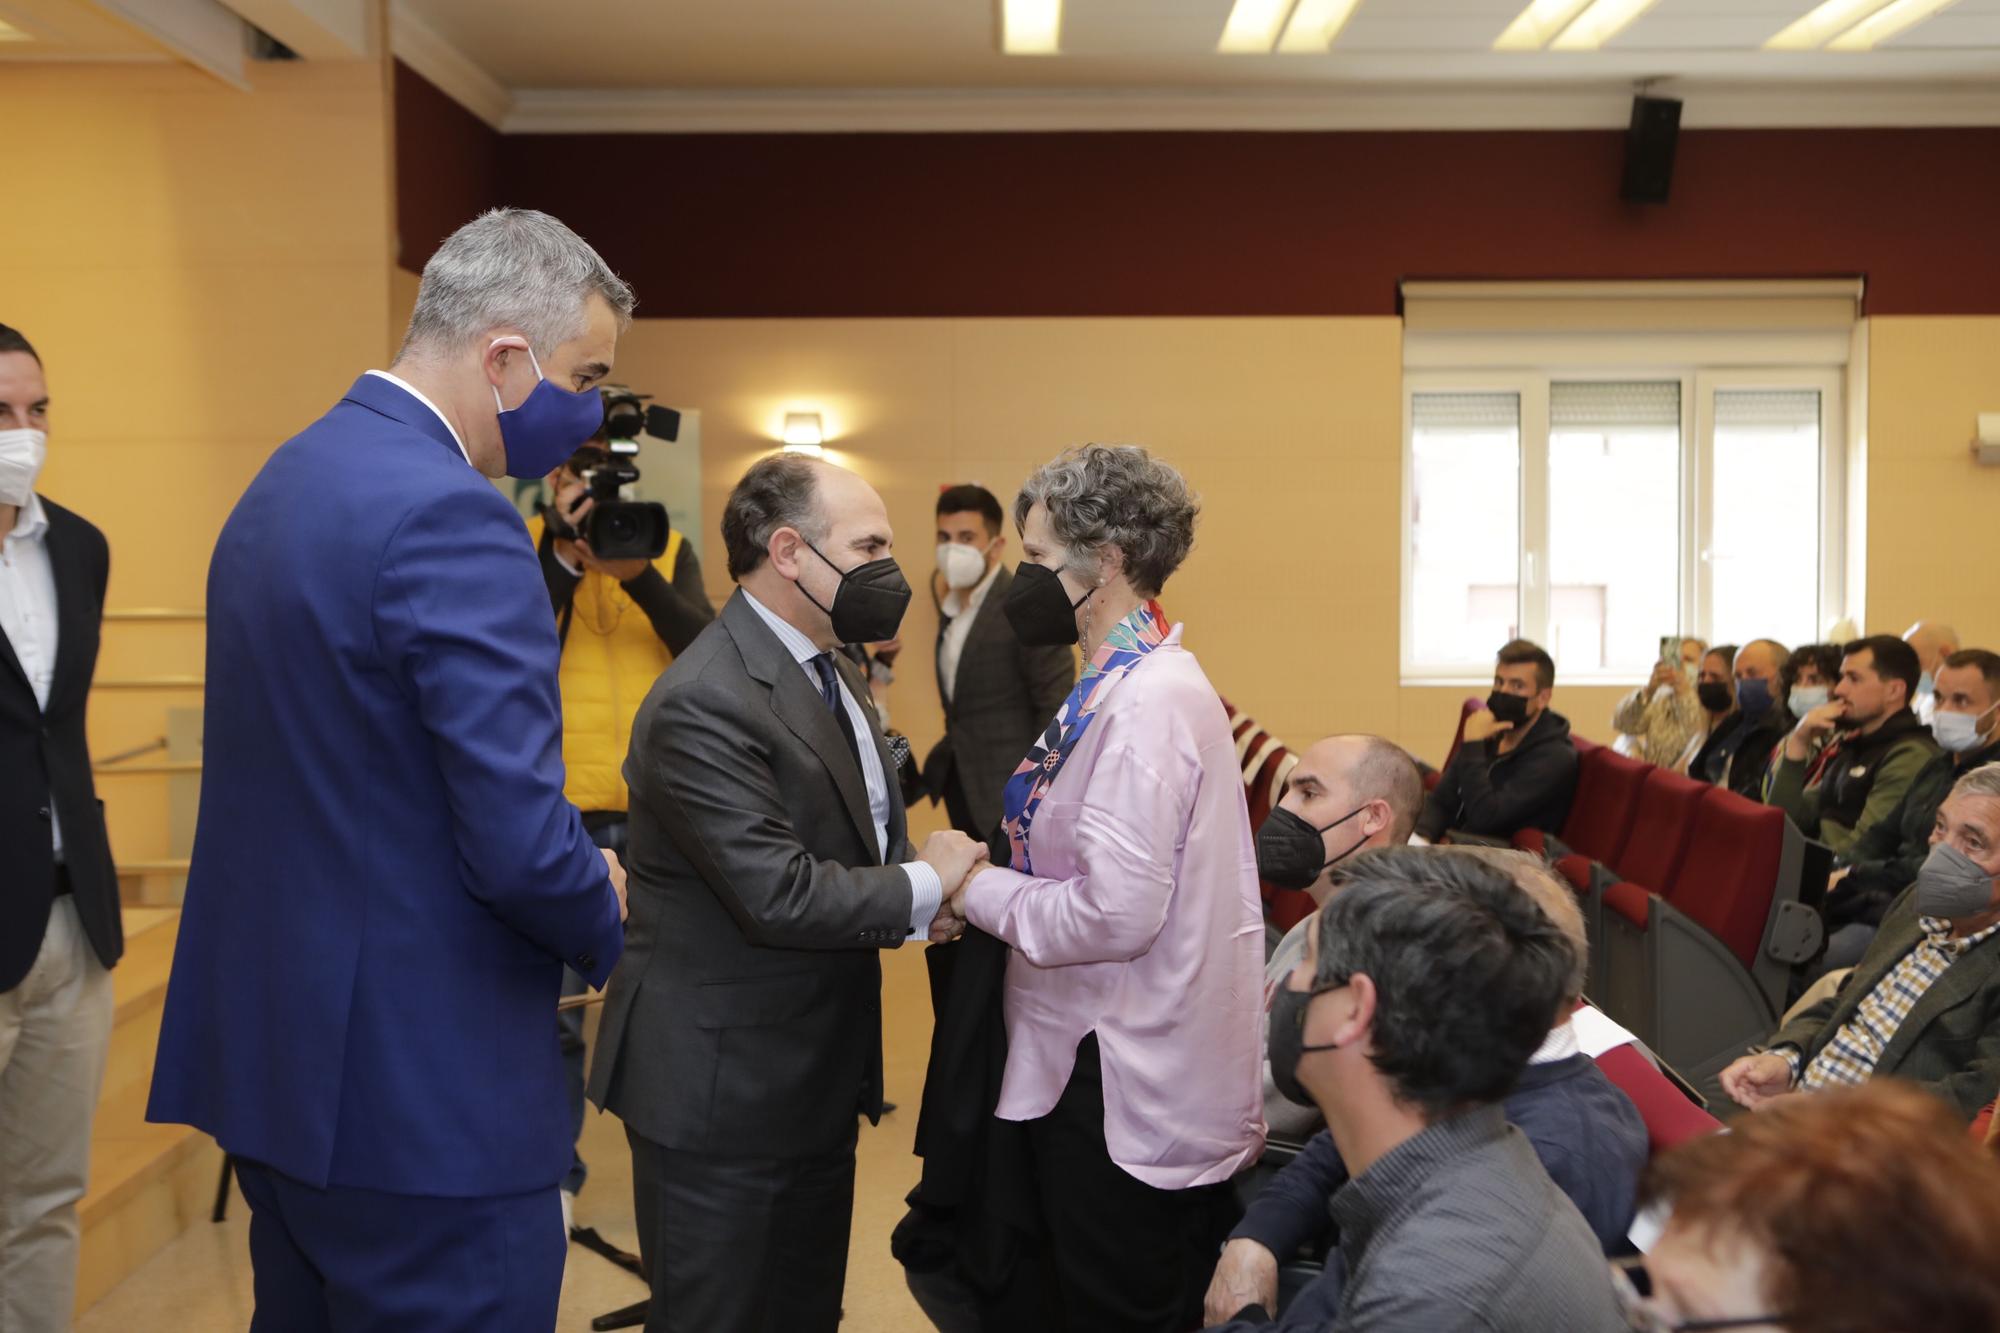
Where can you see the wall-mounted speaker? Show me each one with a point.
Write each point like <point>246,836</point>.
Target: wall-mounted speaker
<point>1649,149</point>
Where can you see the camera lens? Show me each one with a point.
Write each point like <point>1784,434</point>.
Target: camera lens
<point>621,528</point>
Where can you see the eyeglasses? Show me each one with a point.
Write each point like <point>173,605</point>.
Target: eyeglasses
<point>1633,1286</point>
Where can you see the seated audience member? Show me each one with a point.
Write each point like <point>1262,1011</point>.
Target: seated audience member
<point>1923,1004</point>
<point>1804,684</point>
<point>1875,751</point>
<point>1932,643</point>
<point>1865,1209</point>
<point>1447,1220</point>
<point>1346,794</point>
<point>1656,721</point>
<point>1736,752</point>
<point>1588,1134</point>
<point>1884,860</point>
<point>1715,694</point>
<point>1516,769</point>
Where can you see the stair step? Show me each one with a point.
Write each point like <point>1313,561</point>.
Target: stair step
<point>148,1183</point>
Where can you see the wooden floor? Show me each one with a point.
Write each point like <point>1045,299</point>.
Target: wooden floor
<point>150,1180</point>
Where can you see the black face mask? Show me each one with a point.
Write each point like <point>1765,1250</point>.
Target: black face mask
<point>1040,611</point>
<point>1507,707</point>
<point>1714,696</point>
<point>1286,1045</point>
<point>1290,854</point>
<point>869,604</point>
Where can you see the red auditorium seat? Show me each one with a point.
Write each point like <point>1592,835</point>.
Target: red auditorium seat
<point>1701,970</point>
<point>1671,1119</point>
<point>1266,764</point>
<point>1652,852</point>
<point>1600,818</point>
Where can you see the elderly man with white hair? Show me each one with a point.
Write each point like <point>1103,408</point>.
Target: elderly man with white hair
<point>386,879</point>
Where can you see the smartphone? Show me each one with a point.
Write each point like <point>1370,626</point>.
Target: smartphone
<point>1670,651</point>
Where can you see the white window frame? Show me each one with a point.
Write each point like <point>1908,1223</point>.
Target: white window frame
<point>1698,384</point>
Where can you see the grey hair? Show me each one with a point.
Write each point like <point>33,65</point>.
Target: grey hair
<point>1100,495</point>
<point>1382,770</point>
<point>512,267</point>
<point>1982,781</point>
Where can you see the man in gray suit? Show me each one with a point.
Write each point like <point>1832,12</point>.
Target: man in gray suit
<point>999,696</point>
<point>769,860</point>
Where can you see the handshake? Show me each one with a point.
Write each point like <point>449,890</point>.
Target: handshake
<point>956,858</point>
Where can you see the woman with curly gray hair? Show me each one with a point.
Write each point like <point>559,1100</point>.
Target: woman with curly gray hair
<point>1134,986</point>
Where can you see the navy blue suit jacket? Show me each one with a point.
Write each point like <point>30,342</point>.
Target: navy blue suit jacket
<point>386,878</point>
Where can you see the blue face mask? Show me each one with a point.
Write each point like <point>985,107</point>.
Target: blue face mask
<point>1805,698</point>
<point>1926,683</point>
<point>1753,696</point>
<point>550,423</point>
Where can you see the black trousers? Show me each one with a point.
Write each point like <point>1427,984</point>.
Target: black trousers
<point>1114,1252</point>
<point>742,1244</point>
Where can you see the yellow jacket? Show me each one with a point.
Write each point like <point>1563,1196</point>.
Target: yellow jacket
<point>610,659</point>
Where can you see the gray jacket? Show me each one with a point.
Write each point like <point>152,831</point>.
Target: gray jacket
<point>745,1018</point>
<point>1460,1230</point>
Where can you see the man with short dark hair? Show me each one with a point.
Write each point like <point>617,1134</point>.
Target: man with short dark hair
<point>1516,769</point>
<point>1587,1134</point>
<point>1885,859</point>
<point>1876,750</point>
<point>998,694</point>
<point>1447,1219</point>
<point>60,930</point>
<point>742,1032</point>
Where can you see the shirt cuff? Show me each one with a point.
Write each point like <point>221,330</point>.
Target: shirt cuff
<point>1792,1056</point>
<point>926,895</point>
<point>574,572</point>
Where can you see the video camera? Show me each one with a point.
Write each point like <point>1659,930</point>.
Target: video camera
<point>615,528</point>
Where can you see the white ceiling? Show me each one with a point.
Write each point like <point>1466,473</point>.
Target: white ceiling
<point>719,65</point>
<point>940,44</point>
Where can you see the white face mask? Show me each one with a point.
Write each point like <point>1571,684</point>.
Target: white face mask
<point>1805,698</point>
<point>21,455</point>
<point>962,566</point>
<point>1959,732</point>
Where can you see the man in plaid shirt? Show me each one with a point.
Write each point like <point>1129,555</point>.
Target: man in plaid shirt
<point>1924,1003</point>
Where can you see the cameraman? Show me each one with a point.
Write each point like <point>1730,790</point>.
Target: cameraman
<point>621,622</point>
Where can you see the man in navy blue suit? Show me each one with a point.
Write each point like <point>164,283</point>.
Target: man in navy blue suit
<point>386,879</point>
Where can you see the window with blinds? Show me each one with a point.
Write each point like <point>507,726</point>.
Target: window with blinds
<point>1596,516</point>
<point>1465,528</point>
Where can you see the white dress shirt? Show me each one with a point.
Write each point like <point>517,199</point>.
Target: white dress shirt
<point>28,608</point>
<point>952,646</point>
<point>417,394</point>
<point>926,892</point>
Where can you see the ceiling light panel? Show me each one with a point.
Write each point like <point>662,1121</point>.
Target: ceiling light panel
<point>1892,21</point>
<point>1253,26</point>
<point>1598,24</point>
<point>1315,24</point>
<point>1030,27</point>
<point>1541,20</point>
<point>1811,32</point>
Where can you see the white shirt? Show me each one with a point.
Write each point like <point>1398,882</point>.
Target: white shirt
<point>417,394</point>
<point>952,645</point>
<point>28,608</point>
<point>926,892</point>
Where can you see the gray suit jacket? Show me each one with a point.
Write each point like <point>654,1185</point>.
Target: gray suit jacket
<point>745,1018</point>
<point>1950,1043</point>
<point>1005,696</point>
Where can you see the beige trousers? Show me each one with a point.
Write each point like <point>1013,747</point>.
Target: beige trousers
<point>55,1028</point>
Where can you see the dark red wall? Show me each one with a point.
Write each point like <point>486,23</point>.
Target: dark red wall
<point>448,165</point>
<point>1232,223</point>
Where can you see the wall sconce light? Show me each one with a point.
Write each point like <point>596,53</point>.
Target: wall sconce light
<point>803,434</point>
